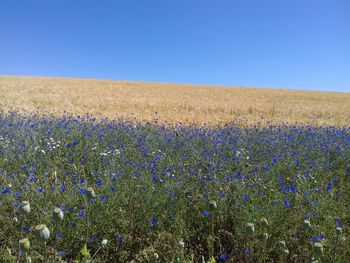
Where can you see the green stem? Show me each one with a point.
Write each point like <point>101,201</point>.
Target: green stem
<point>45,253</point>
<point>19,238</point>
<point>95,254</point>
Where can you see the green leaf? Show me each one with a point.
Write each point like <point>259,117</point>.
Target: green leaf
<point>85,252</point>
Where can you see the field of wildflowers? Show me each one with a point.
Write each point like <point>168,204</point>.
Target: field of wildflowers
<point>74,189</point>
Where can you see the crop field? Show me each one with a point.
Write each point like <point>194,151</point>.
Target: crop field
<point>269,182</point>
<point>174,102</point>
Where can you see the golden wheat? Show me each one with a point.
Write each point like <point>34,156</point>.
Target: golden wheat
<point>174,102</point>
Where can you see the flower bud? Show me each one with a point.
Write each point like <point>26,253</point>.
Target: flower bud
<point>24,244</point>
<point>281,244</point>
<point>264,222</point>
<point>213,204</point>
<point>318,250</point>
<point>265,236</point>
<point>57,214</point>
<point>90,193</point>
<point>104,242</point>
<point>24,208</point>
<point>307,224</point>
<point>286,252</point>
<point>338,231</point>
<point>42,233</point>
<point>181,244</point>
<point>250,229</point>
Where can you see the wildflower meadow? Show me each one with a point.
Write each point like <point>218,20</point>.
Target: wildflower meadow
<point>77,189</point>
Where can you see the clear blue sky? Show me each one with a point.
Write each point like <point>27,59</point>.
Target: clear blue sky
<point>302,44</point>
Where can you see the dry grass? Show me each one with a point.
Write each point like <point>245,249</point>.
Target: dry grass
<point>174,102</point>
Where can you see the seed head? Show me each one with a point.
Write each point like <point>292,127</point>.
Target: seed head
<point>213,204</point>
<point>57,214</point>
<point>264,222</point>
<point>318,250</point>
<point>281,244</point>
<point>265,236</point>
<point>307,224</point>
<point>42,233</point>
<point>338,231</point>
<point>90,193</point>
<point>104,242</point>
<point>250,229</point>
<point>24,208</point>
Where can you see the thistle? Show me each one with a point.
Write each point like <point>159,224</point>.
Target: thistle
<point>57,214</point>
<point>42,233</point>
<point>250,229</point>
<point>24,208</point>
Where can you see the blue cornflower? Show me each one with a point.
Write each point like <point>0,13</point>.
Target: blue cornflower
<point>112,189</point>
<point>313,239</point>
<point>60,253</point>
<point>63,189</point>
<point>223,256</point>
<point>206,213</point>
<point>340,225</point>
<point>267,167</point>
<point>94,238</point>
<point>247,251</point>
<point>40,190</point>
<point>81,213</point>
<point>5,191</point>
<point>99,182</point>
<point>26,228</point>
<point>119,239</point>
<point>153,222</point>
<point>320,236</point>
<point>287,203</point>
<point>59,235</point>
<point>246,198</point>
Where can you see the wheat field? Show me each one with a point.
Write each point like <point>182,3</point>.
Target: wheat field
<point>144,101</point>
